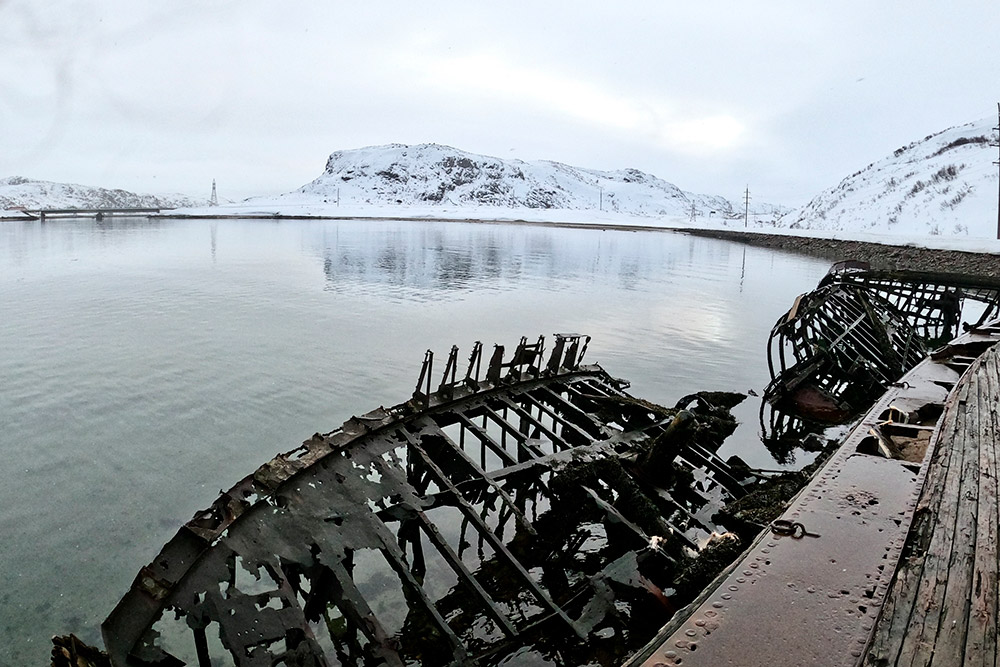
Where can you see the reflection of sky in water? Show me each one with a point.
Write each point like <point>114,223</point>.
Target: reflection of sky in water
<point>146,365</point>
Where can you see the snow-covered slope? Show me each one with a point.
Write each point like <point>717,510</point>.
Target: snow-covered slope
<point>430,174</point>
<point>945,184</point>
<point>23,192</point>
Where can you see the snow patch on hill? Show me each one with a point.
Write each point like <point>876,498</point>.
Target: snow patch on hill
<point>943,185</point>
<point>17,191</point>
<point>435,175</point>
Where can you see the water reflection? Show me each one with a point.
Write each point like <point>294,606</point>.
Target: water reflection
<point>146,363</point>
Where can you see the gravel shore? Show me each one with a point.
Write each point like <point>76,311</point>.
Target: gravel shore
<point>879,255</point>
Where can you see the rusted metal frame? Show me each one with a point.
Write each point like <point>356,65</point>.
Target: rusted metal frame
<point>355,608</point>
<point>484,439</point>
<point>525,448</point>
<point>201,647</point>
<point>991,310</point>
<point>817,326</point>
<point>556,358</point>
<point>480,473</point>
<point>450,369</point>
<point>910,277</point>
<point>883,338</point>
<point>605,384</point>
<point>663,496</point>
<point>525,389</point>
<point>613,513</point>
<point>464,574</point>
<point>233,640</point>
<point>524,487</point>
<point>560,418</point>
<point>288,595</point>
<point>563,358</point>
<point>863,337</point>
<point>483,529</point>
<point>426,370</point>
<point>526,415</point>
<point>578,419</point>
<point>595,388</point>
<point>584,390</point>
<point>397,561</point>
<point>528,355</point>
<point>722,473</point>
<point>849,340</point>
<point>495,367</point>
<point>475,360</point>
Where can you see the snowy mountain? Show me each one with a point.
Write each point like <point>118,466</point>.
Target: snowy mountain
<point>945,184</point>
<point>430,174</point>
<point>23,192</point>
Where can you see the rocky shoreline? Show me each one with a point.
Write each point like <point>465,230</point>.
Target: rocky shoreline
<point>881,256</point>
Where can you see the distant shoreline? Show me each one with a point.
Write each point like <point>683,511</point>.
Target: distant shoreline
<point>879,255</point>
<point>882,254</point>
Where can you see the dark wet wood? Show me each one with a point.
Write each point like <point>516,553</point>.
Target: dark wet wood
<point>942,606</point>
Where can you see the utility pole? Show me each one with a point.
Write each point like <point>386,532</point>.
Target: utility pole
<point>214,201</point>
<point>600,204</point>
<point>997,144</point>
<point>746,208</point>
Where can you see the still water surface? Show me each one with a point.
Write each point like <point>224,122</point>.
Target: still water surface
<point>145,365</point>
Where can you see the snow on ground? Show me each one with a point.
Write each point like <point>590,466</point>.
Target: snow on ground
<point>432,174</point>
<point>943,185</point>
<point>757,224</point>
<point>17,191</point>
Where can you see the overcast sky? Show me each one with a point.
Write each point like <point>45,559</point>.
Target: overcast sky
<point>786,97</point>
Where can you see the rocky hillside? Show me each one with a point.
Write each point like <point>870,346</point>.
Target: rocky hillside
<point>945,184</point>
<point>23,192</point>
<point>430,174</point>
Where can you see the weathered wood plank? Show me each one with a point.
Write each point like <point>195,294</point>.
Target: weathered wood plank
<point>950,640</point>
<point>921,632</point>
<point>981,642</point>
<point>891,631</point>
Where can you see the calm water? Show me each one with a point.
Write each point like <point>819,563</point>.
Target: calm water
<point>145,365</point>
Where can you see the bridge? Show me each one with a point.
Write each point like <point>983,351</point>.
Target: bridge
<point>99,213</point>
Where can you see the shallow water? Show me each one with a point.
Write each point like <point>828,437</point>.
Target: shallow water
<point>145,365</point>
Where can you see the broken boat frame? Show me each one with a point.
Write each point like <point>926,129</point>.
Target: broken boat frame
<point>425,533</point>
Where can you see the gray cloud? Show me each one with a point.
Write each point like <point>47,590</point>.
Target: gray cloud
<point>787,97</point>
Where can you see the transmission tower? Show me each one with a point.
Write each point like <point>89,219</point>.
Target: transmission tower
<point>214,201</point>
<point>746,207</point>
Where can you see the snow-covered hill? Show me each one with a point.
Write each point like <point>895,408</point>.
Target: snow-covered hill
<point>945,184</point>
<point>23,192</point>
<point>431,174</point>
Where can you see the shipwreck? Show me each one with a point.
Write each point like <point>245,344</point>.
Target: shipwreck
<point>527,509</point>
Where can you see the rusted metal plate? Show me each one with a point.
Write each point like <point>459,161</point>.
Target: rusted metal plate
<point>807,600</point>
<point>816,599</point>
